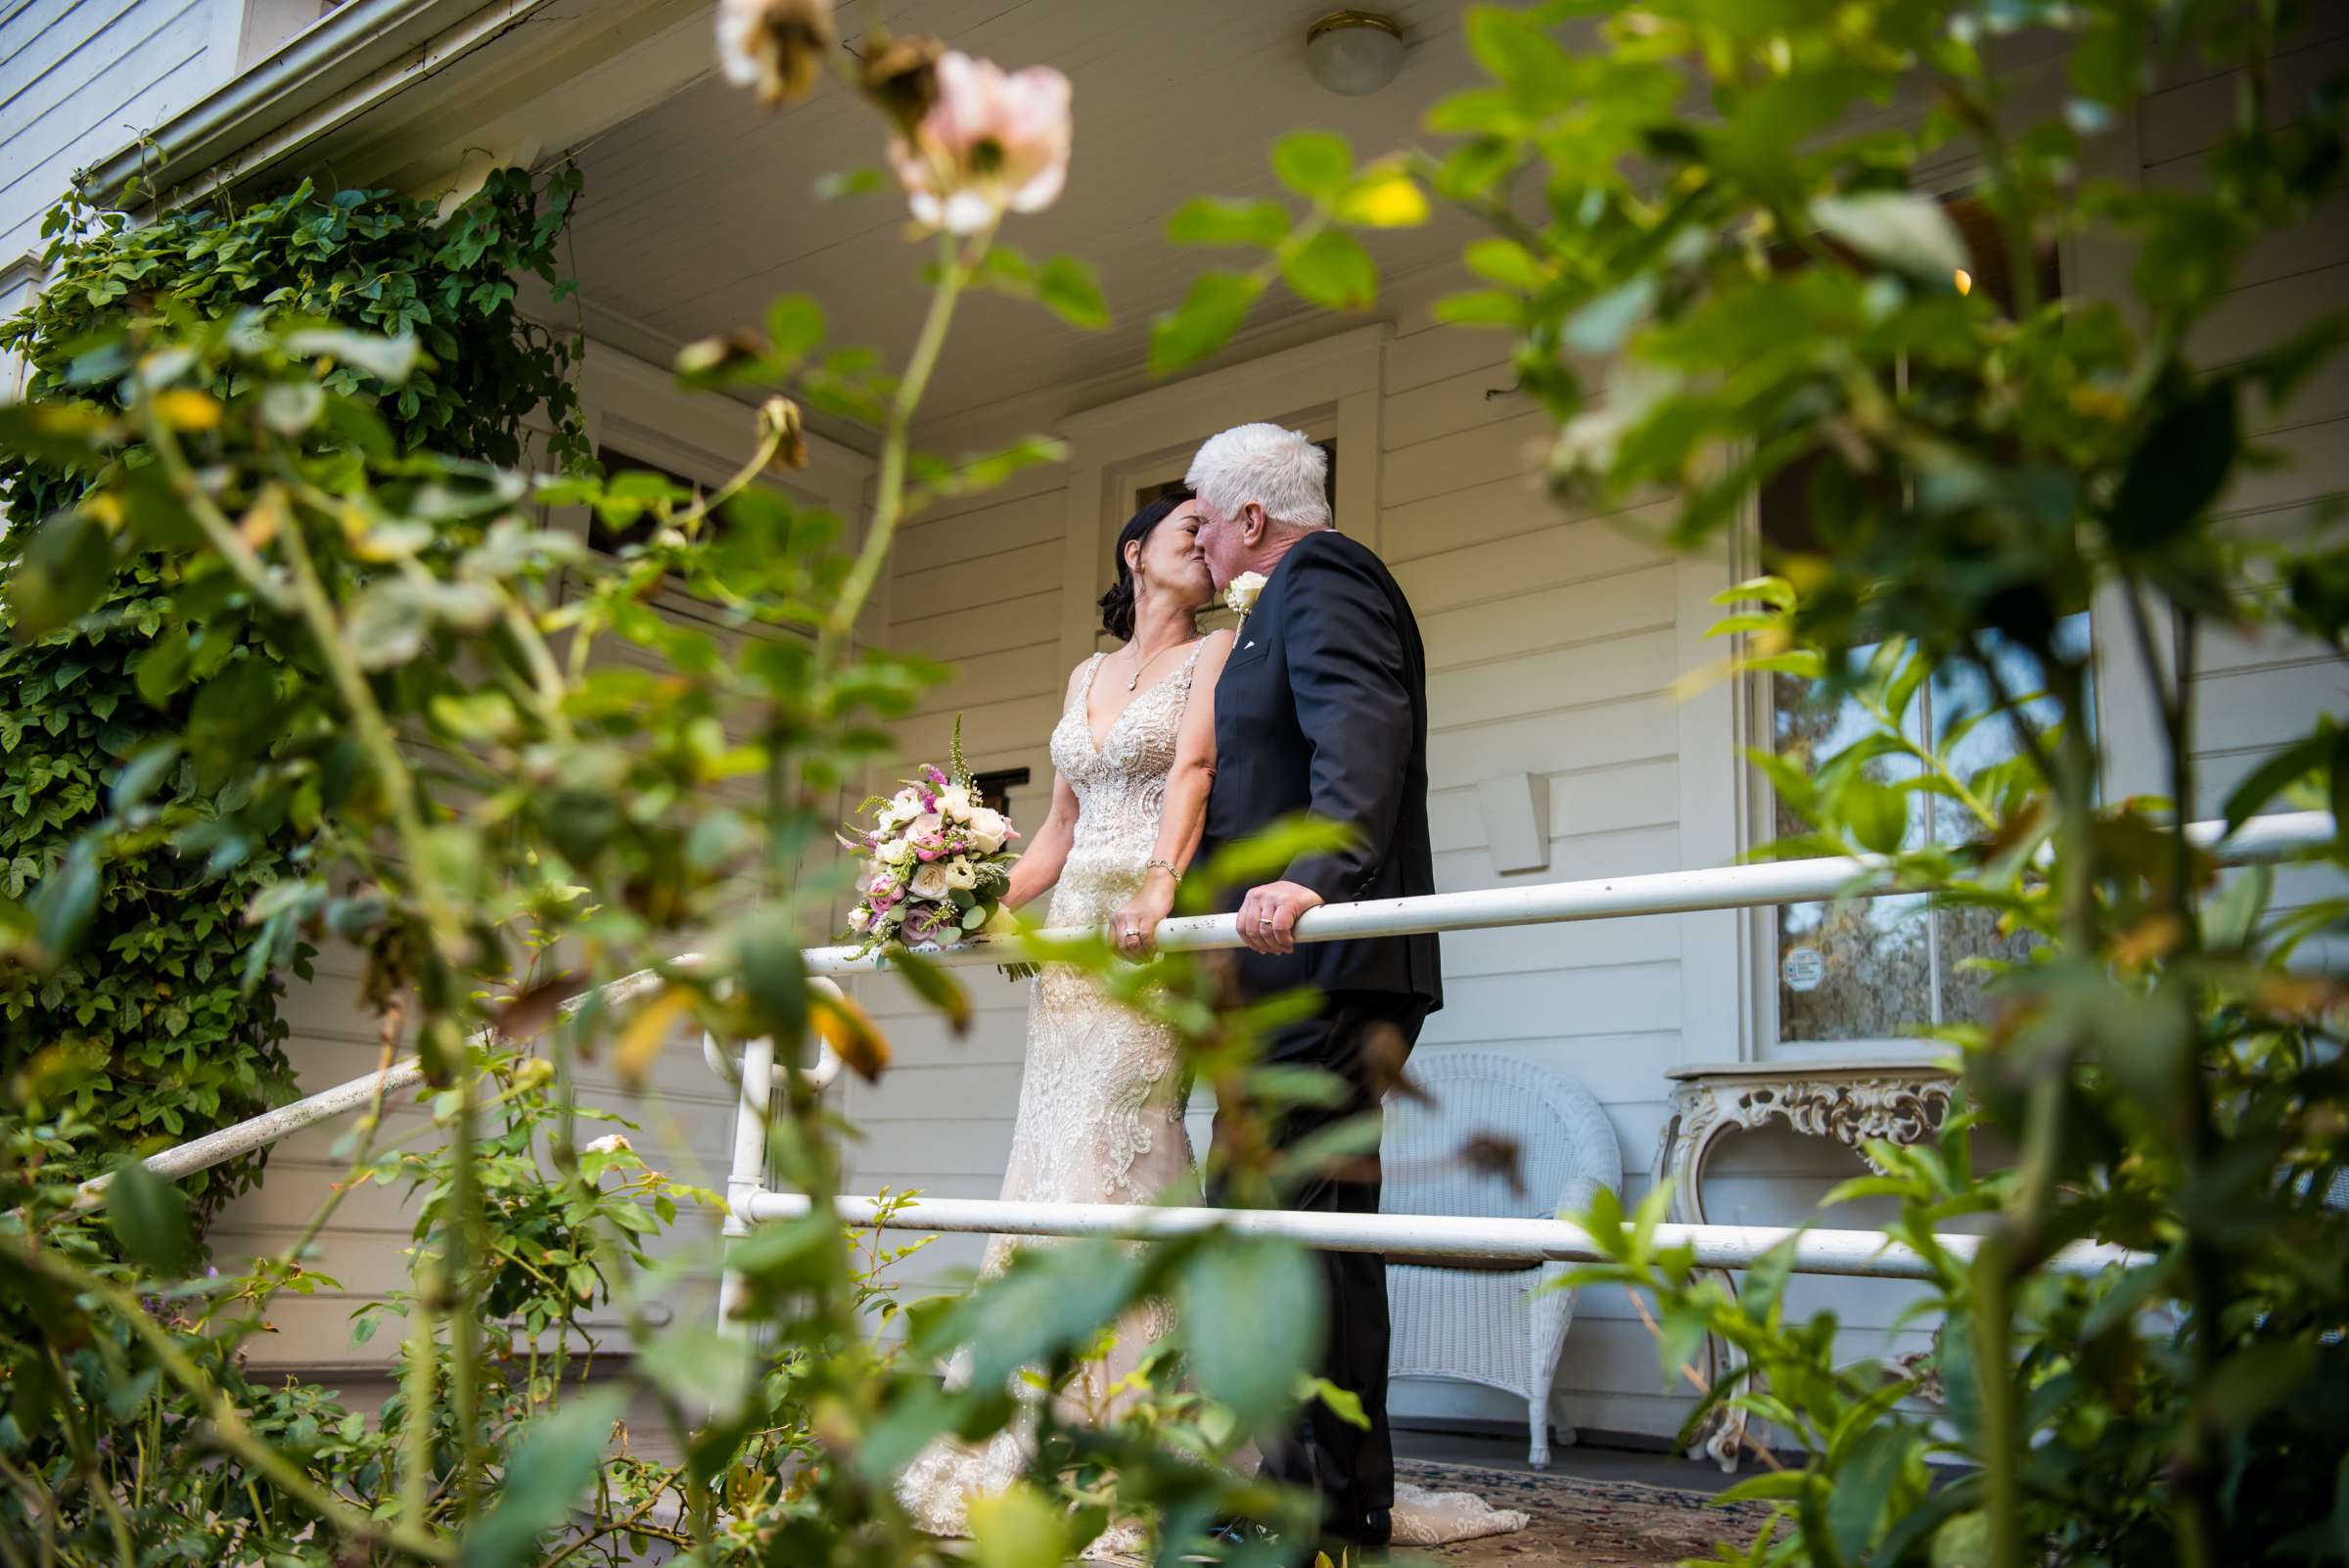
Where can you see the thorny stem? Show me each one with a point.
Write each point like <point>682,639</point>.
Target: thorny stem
<point>464,1327</point>
<point>955,274</point>
<point>2018,1244</point>
<point>2197,1482</point>
<point>416,1448</point>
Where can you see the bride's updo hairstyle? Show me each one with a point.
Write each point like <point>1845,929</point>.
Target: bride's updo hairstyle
<point>1117,605</point>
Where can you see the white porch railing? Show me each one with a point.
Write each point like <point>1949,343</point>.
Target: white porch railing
<point>1832,1251</point>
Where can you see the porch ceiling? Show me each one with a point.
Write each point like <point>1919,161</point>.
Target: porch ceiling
<point>698,211</point>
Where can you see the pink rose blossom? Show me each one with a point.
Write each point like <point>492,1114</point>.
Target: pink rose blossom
<point>994,141</point>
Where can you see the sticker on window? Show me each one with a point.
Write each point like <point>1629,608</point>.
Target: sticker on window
<point>1802,969</point>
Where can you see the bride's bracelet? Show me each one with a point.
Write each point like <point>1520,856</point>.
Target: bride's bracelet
<point>1167,867</point>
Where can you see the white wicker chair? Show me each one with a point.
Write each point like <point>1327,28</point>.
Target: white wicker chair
<point>1494,1324</point>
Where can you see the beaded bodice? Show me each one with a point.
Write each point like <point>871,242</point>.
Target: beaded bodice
<point>1120,787</point>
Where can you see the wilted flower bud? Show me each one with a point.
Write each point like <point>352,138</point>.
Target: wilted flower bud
<point>902,77</point>
<point>777,46</point>
<point>779,417</point>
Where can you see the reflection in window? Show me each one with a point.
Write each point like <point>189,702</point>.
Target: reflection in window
<point>1876,969</point>
<point>1871,969</point>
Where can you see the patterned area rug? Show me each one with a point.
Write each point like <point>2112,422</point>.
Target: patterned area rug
<point>1586,1524</point>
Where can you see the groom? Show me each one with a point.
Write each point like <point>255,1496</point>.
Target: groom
<point>1321,709</point>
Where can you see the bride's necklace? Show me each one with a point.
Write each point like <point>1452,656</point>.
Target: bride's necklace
<point>1141,664</point>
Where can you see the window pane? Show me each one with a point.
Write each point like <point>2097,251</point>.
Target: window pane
<point>1958,692</point>
<point>1860,970</point>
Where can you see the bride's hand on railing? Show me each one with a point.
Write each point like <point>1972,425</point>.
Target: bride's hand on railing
<point>1134,924</point>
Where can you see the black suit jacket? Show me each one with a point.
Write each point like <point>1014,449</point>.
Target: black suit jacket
<point>1323,710</point>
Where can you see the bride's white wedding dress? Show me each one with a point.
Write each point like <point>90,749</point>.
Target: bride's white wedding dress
<point>1101,1103</point>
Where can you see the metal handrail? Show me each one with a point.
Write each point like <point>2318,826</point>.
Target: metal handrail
<point>2262,838</point>
<point>1860,876</point>
<point>1858,1253</point>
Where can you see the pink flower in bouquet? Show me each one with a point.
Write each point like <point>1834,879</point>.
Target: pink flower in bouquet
<point>994,141</point>
<point>925,923</point>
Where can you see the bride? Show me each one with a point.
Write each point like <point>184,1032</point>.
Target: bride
<point>1101,1112</point>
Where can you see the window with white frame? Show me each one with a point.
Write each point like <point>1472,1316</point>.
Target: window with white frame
<point>1873,971</point>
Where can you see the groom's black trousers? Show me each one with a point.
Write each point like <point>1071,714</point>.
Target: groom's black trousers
<point>1361,1039</point>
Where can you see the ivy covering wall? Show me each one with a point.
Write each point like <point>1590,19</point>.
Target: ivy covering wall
<point>168,1023</point>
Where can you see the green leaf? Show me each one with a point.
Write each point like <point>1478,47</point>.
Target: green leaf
<point>2282,768</point>
<point>1909,233</point>
<point>164,668</point>
<point>2178,470</point>
<point>1505,262</point>
<point>1601,326</point>
<point>1252,1366</point>
<point>2257,1378</point>
<point>1209,315</point>
<point>149,1215</point>
<point>1343,1402</point>
<point>388,360</point>
<point>289,407</point>
<point>1876,813</point>
<point>1964,1542</point>
<point>1019,1526</point>
<point>701,1368</point>
<point>849,182</point>
<point>62,573</point>
<point>66,901</point>
<point>795,327</point>
<point>1071,290</point>
<point>774,978</point>
<point>1212,220</point>
<point>1313,163</point>
<point>1856,1499</point>
<point>1513,48</point>
<point>149,767</point>
<point>388,623</point>
<point>551,1467</point>
<point>1333,270</point>
<point>1481,307</point>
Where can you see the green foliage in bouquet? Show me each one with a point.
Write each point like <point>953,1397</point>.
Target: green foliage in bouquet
<point>164,1023</point>
<point>1717,290</point>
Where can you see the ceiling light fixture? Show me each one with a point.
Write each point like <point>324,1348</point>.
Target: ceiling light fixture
<point>1354,52</point>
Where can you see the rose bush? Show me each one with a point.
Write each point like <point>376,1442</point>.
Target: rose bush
<point>521,837</point>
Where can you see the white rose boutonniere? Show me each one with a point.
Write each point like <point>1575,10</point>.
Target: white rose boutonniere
<point>1242,592</point>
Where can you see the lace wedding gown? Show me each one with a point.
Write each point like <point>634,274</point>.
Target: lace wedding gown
<point>1101,1103</point>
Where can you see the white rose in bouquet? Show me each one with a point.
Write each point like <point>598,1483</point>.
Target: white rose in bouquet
<point>928,845</point>
<point>988,829</point>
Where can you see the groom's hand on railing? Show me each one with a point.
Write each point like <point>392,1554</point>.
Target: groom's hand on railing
<point>1268,915</point>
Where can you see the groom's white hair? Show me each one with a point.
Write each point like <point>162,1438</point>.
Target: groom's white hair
<point>1280,470</point>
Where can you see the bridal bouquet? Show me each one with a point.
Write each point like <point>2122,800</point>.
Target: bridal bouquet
<point>941,859</point>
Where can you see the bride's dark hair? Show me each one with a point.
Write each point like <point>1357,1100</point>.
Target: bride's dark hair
<point>1117,605</point>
